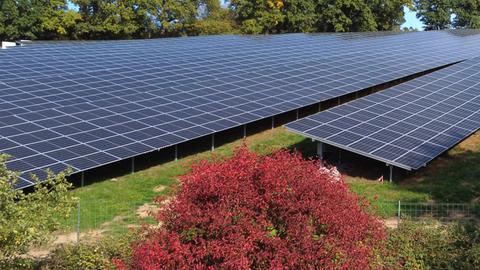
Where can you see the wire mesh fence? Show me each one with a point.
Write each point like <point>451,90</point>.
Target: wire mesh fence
<point>444,212</point>
<point>91,218</point>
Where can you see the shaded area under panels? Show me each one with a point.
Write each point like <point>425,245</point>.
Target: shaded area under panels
<point>88,104</point>
<point>407,125</point>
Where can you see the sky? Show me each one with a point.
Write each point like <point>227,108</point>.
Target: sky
<point>411,20</point>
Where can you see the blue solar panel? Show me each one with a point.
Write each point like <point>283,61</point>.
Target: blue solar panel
<point>425,122</point>
<point>116,99</point>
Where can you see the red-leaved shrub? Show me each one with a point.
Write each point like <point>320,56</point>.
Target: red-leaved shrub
<point>261,212</point>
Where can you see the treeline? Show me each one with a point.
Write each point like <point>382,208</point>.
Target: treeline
<point>445,14</point>
<point>123,19</point>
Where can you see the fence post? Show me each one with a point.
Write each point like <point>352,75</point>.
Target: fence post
<point>78,221</point>
<point>399,213</point>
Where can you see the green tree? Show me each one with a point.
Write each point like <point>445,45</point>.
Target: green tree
<point>213,19</point>
<point>32,19</point>
<point>26,219</point>
<point>57,21</point>
<point>435,14</point>
<point>467,14</point>
<point>300,16</point>
<point>275,16</point>
<point>346,16</point>
<point>389,15</point>
<point>177,16</point>
<point>18,20</point>
<point>116,18</point>
<point>258,16</point>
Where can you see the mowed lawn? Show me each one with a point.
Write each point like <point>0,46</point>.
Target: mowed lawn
<point>453,177</point>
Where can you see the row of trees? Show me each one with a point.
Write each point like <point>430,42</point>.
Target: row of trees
<point>445,14</point>
<point>109,19</point>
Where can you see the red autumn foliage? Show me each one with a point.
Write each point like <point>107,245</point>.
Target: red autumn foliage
<point>261,212</point>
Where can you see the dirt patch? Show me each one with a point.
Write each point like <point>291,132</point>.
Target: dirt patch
<point>64,239</point>
<point>159,188</point>
<point>391,223</point>
<point>472,143</point>
<point>147,210</point>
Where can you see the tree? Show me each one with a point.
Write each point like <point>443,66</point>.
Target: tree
<point>276,16</point>
<point>467,14</point>
<point>435,14</point>
<point>258,16</point>
<point>116,18</point>
<point>346,16</point>
<point>18,20</point>
<point>261,212</point>
<point>213,19</point>
<point>32,19</point>
<point>389,15</point>
<point>26,219</point>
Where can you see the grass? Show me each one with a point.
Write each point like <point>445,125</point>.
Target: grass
<point>112,204</point>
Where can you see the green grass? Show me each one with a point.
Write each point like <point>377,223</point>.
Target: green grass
<point>112,205</point>
<point>384,196</point>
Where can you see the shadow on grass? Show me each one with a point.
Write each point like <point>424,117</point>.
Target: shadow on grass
<point>453,177</point>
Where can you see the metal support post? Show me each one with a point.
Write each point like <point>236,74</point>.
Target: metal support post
<point>297,114</point>
<point>213,142</point>
<point>176,152</point>
<point>244,131</point>
<point>133,165</point>
<point>273,122</point>
<point>391,173</point>
<point>320,148</point>
<point>319,106</point>
<point>82,179</point>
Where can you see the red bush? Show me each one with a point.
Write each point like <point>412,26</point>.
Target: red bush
<point>254,212</point>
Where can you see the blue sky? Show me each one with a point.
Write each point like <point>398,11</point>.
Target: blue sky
<point>411,20</point>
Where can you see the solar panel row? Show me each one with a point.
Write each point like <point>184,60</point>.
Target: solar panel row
<point>407,125</point>
<point>92,103</point>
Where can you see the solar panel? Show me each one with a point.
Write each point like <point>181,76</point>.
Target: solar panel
<point>109,100</point>
<point>408,125</point>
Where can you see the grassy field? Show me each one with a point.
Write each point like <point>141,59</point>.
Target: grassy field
<point>114,203</point>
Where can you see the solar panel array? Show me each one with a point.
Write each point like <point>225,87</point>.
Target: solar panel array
<point>87,104</point>
<point>407,125</point>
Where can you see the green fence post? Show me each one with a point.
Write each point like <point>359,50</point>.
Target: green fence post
<point>78,221</point>
<point>399,213</point>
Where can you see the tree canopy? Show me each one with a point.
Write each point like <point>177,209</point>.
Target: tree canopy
<point>125,19</point>
<point>115,19</point>
<point>444,14</point>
